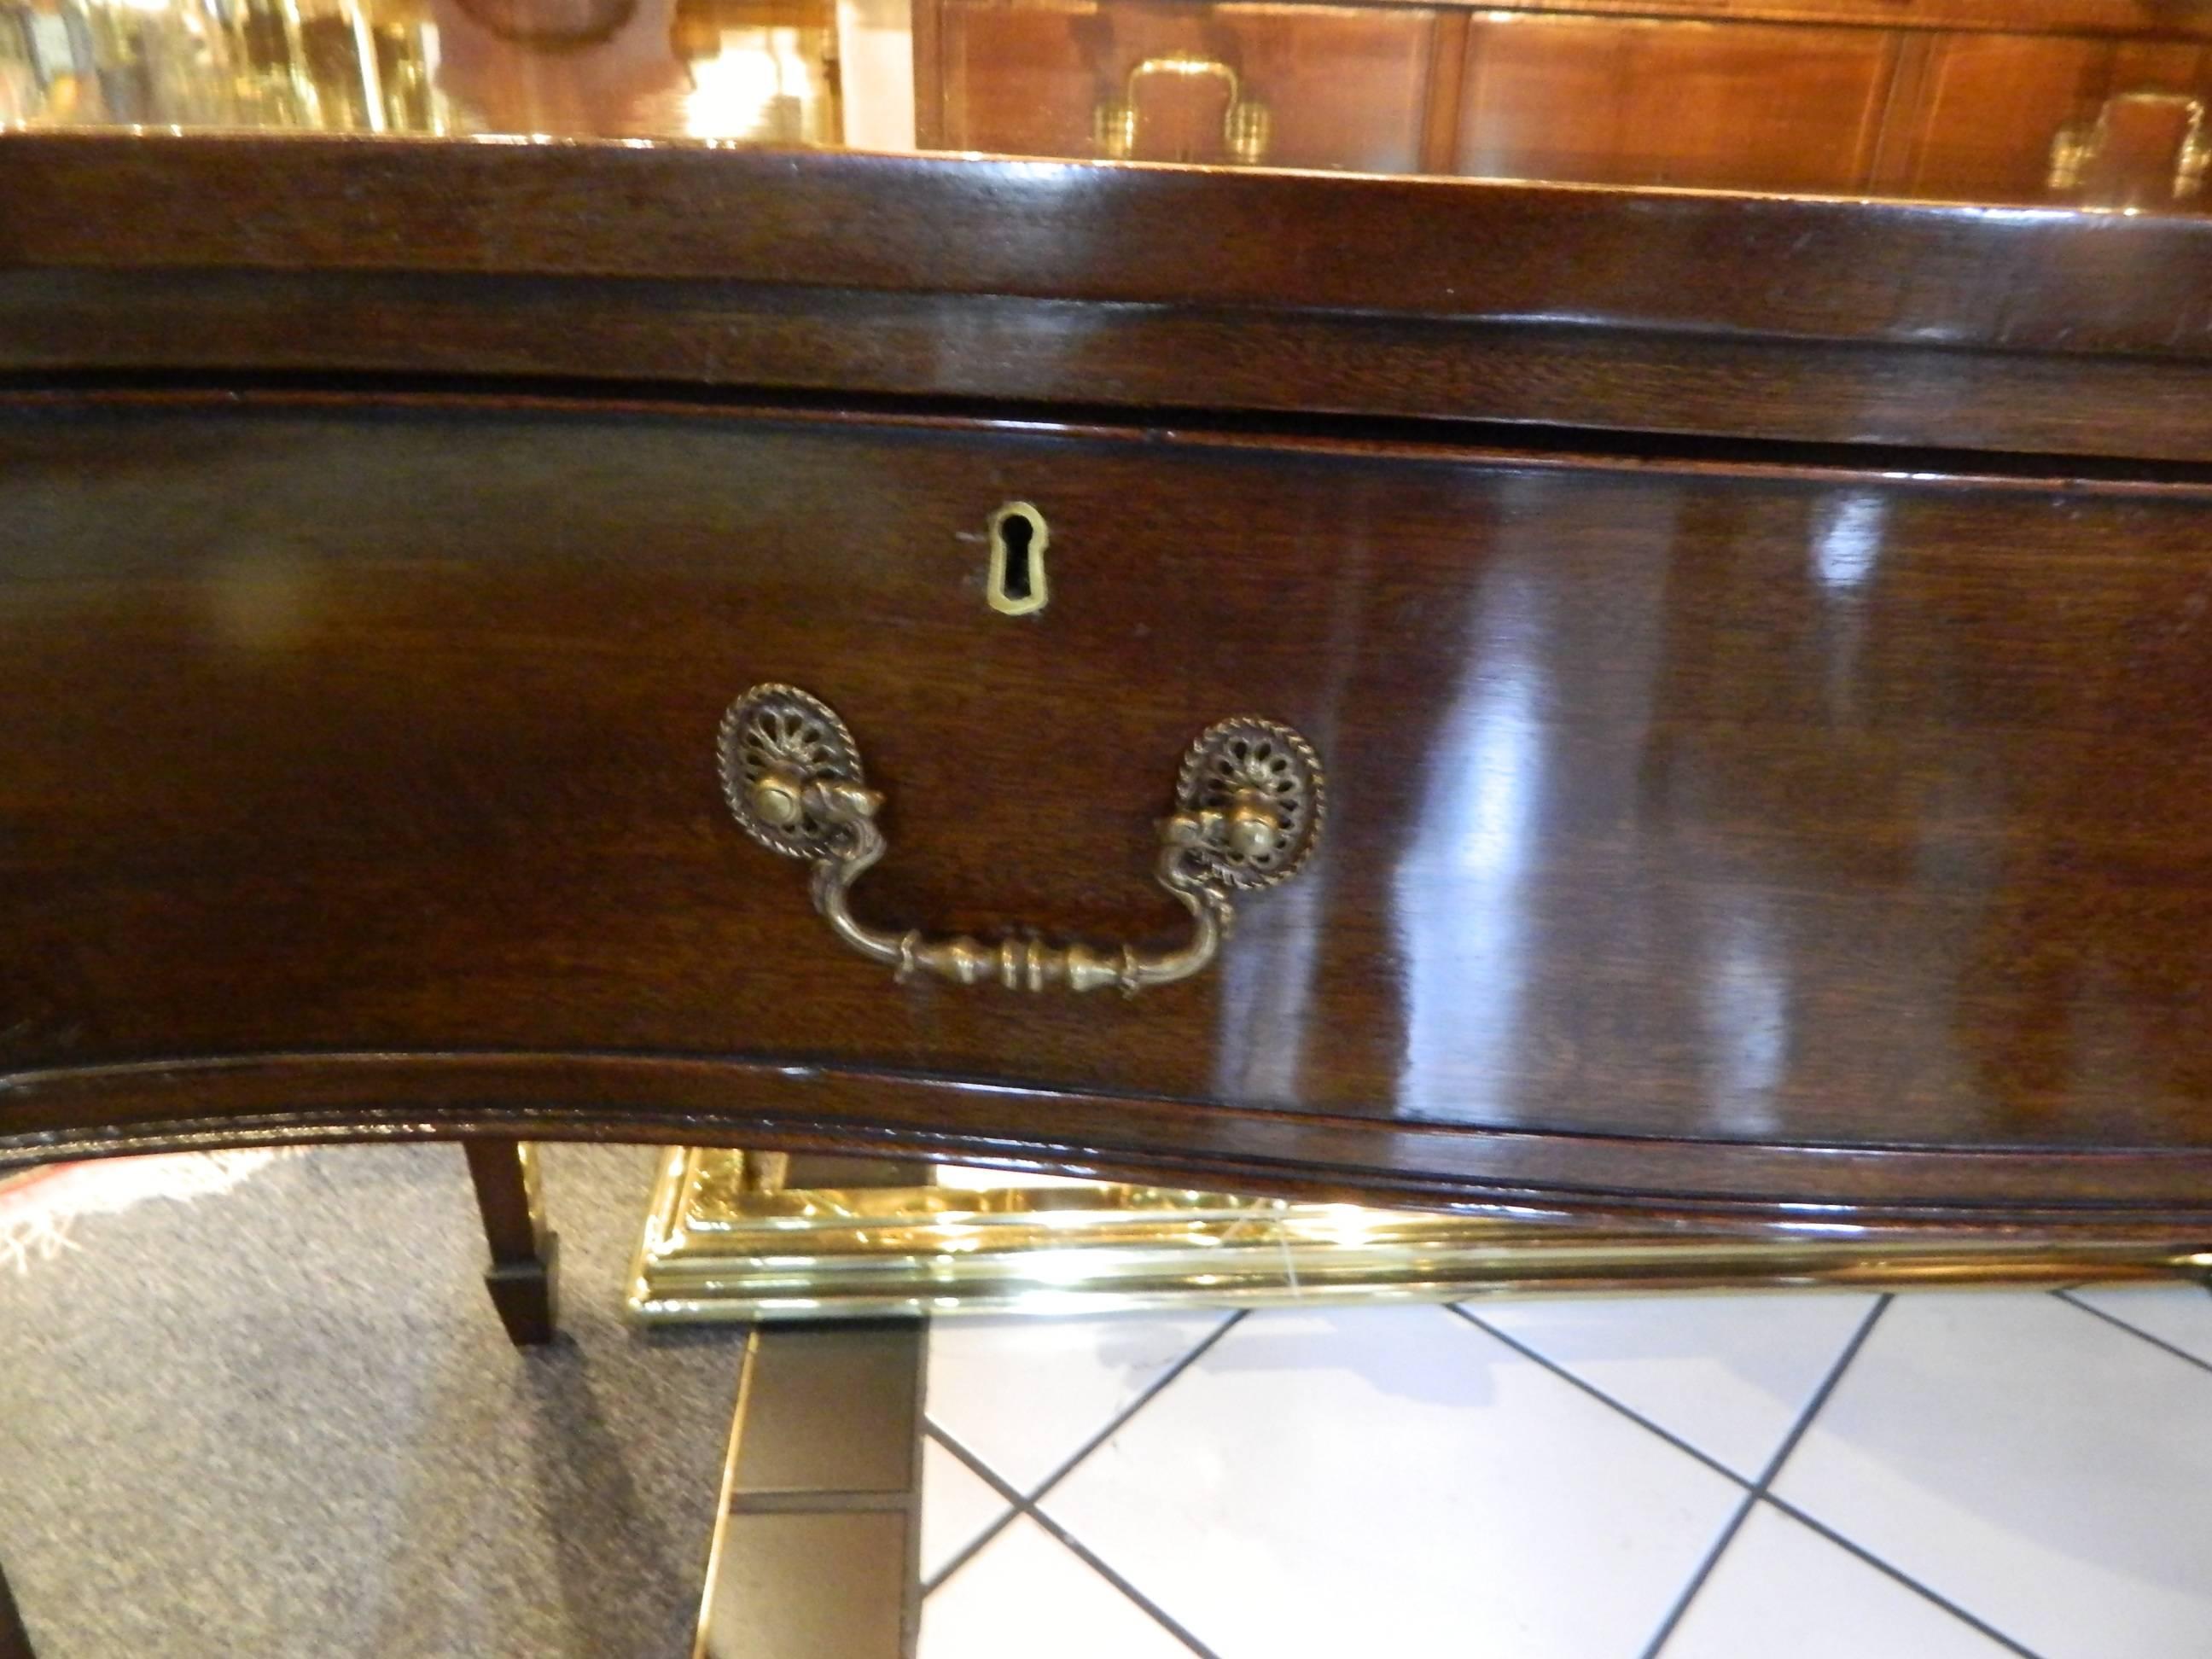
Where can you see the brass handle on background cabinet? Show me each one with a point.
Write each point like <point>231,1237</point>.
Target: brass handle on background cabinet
<point>1248,811</point>
<point>2078,144</point>
<point>1247,126</point>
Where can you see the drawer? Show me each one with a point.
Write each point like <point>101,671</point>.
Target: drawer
<point>1729,105</point>
<point>1289,86</point>
<point>1688,804</point>
<point>2051,118</point>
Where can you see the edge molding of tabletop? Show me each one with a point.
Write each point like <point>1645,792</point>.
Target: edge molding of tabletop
<point>1842,320</point>
<point>172,1105</point>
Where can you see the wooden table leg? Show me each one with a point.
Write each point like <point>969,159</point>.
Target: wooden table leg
<point>14,1640</point>
<point>525,1275</point>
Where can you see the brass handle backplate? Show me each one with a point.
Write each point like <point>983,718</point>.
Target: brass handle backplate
<point>2078,144</point>
<point>1248,812</point>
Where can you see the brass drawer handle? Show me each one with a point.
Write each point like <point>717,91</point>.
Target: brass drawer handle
<point>1247,126</point>
<point>1247,813</point>
<point>2080,142</point>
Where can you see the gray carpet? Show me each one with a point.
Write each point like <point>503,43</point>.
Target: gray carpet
<point>282,1420</point>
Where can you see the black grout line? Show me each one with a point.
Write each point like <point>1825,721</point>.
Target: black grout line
<point>2140,1335</point>
<point>1773,1469</point>
<point>1718,1467</point>
<point>1023,1507</point>
<point>1783,1504</point>
<point>1899,1575</point>
<point>1121,1418</point>
<point>1680,1608</point>
<point>1755,1491</point>
<point>1023,1503</point>
<point>1599,1395</point>
<point>982,1472</point>
<point>1170,1626</point>
<point>1827,1388</point>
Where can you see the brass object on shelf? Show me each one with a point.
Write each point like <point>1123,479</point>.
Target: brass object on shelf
<point>742,71</point>
<point>1249,802</point>
<point>725,1239</point>
<point>1247,124</point>
<point>2077,145</point>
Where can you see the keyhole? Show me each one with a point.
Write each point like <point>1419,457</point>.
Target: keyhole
<point>1016,585</point>
<point>1016,533</point>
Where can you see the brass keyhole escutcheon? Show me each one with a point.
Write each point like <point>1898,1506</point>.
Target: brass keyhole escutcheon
<point>1016,585</point>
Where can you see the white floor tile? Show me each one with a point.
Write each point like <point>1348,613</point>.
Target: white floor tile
<point>1317,1472</point>
<point>2179,1314</point>
<point>1729,1373</point>
<point>956,1508</point>
<point>1783,1589</point>
<point>2048,1473</point>
<point>1026,1595</point>
<point>1024,1395</point>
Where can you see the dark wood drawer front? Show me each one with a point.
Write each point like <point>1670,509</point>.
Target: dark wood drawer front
<point>1686,803</point>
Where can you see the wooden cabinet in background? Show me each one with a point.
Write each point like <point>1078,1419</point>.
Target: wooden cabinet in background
<point>2096,101</point>
<point>1994,113</point>
<point>1297,86</point>
<point>1639,102</point>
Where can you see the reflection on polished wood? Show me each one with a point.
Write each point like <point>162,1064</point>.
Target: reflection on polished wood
<point>728,1240</point>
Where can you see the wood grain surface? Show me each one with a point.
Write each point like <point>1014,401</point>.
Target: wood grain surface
<point>2015,279</point>
<point>1129,287</point>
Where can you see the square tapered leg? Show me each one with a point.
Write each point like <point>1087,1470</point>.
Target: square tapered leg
<point>525,1274</point>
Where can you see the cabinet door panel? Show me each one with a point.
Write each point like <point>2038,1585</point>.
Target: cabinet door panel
<point>1997,103</point>
<point>1741,107</point>
<point>1341,89</point>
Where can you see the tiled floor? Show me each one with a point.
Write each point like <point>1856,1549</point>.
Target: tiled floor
<point>1937,1476</point>
<point>312,1440</point>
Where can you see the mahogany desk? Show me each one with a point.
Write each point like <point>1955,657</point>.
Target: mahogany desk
<point>1743,663</point>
